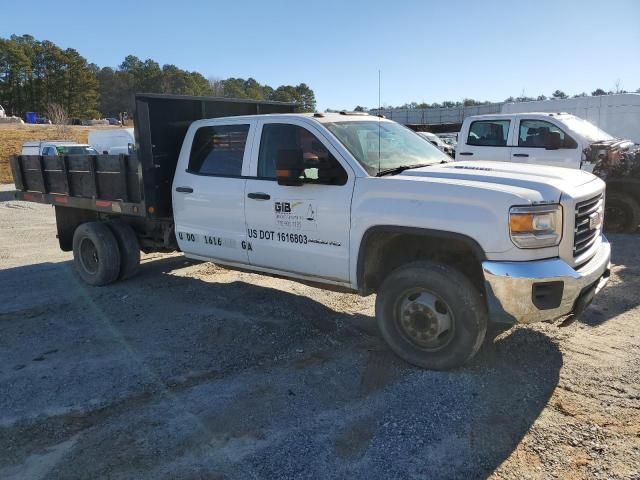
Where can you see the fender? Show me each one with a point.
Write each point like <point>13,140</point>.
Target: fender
<point>475,247</point>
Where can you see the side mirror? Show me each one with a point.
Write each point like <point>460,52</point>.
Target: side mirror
<point>552,141</point>
<point>289,167</point>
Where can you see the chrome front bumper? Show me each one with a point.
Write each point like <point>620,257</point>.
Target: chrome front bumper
<point>527,292</point>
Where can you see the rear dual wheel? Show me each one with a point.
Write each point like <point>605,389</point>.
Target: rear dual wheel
<point>129,248</point>
<point>105,252</point>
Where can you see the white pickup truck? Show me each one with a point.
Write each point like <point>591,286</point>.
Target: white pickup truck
<point>343,201</point>
<point>560,140</point>
<point>49,148</point>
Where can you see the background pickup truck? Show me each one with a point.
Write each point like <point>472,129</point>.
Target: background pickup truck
<point>343,201</point>
<point>561,140</point>
<point>50,148</point>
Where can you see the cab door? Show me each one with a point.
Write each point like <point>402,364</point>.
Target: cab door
<point>209,194</point>
<point>486,140</point>
<point>544,143</point>
<point>299,229</point>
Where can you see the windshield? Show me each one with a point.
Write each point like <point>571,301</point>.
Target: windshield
<point>586,129</point>
<point>385,145</point>
<point>79,150</point>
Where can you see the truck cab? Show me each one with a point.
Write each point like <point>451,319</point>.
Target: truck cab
<point>362,203</point>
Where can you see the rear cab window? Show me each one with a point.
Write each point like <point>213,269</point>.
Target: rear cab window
<point>489,133</point>
<point>218,150</point>
<point>535,134</point>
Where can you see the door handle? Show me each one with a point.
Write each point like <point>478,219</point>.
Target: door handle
<point>184,189</point>
<point>520,154</point>
<point>466,153</point>
<point>259,196</point>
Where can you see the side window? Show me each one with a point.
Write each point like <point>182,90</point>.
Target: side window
<point>48,151</point>
<point>218,150</point>
<point>536,134</point>
<point>489,133</point>
<point>281,136</point>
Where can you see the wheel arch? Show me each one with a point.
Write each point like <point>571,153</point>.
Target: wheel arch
<point>380,252</point>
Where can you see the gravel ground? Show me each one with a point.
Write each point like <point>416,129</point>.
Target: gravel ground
<point>193,371</point>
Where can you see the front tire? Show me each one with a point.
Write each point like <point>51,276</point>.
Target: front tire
<point>622,213</point>
<point>95,254</point>
<point>431,315</point>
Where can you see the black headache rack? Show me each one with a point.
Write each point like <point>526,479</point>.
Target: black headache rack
<point>138,184</point>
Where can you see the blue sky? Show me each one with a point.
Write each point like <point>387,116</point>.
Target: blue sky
<point>427,51</point>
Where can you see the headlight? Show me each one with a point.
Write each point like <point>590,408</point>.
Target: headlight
<point>536,226</point>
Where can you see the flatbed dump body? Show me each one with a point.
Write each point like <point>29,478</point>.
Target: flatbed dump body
<point>138,184</point>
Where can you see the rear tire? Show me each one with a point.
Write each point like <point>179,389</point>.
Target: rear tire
<point>431,315</point>
<point>129,248</point>
<point>622,213</point>
<point>95,254</point>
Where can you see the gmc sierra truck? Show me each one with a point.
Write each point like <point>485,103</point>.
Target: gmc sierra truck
<point>344,201</point>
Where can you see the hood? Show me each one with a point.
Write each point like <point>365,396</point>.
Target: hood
<point>548,181</point>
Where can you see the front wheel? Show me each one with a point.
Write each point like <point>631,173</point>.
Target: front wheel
<point>431,315</point>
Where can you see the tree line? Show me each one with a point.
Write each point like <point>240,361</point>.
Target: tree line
<point>469,102</point>
<point>36,74</point>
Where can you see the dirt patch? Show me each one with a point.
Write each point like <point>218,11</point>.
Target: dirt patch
<point>189,370</point>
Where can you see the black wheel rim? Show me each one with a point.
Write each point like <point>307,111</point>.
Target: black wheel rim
<point>425,319</point>
<point>89,256</point>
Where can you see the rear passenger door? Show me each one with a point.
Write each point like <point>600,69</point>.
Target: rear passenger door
<point>532,137</point>
<point>209,196</point>
<point>486,140</point>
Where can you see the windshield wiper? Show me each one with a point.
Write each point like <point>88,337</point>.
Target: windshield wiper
<point>400,169</point>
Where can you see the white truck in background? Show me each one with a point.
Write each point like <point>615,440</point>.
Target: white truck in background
<point>617,114</point>
<point>342,201</point>
<point>49,148</point>
<point>113,141</point>
<point>560,140</point>
<point>438,143</point>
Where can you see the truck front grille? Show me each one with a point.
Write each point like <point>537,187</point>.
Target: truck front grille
<point>585,235</point>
